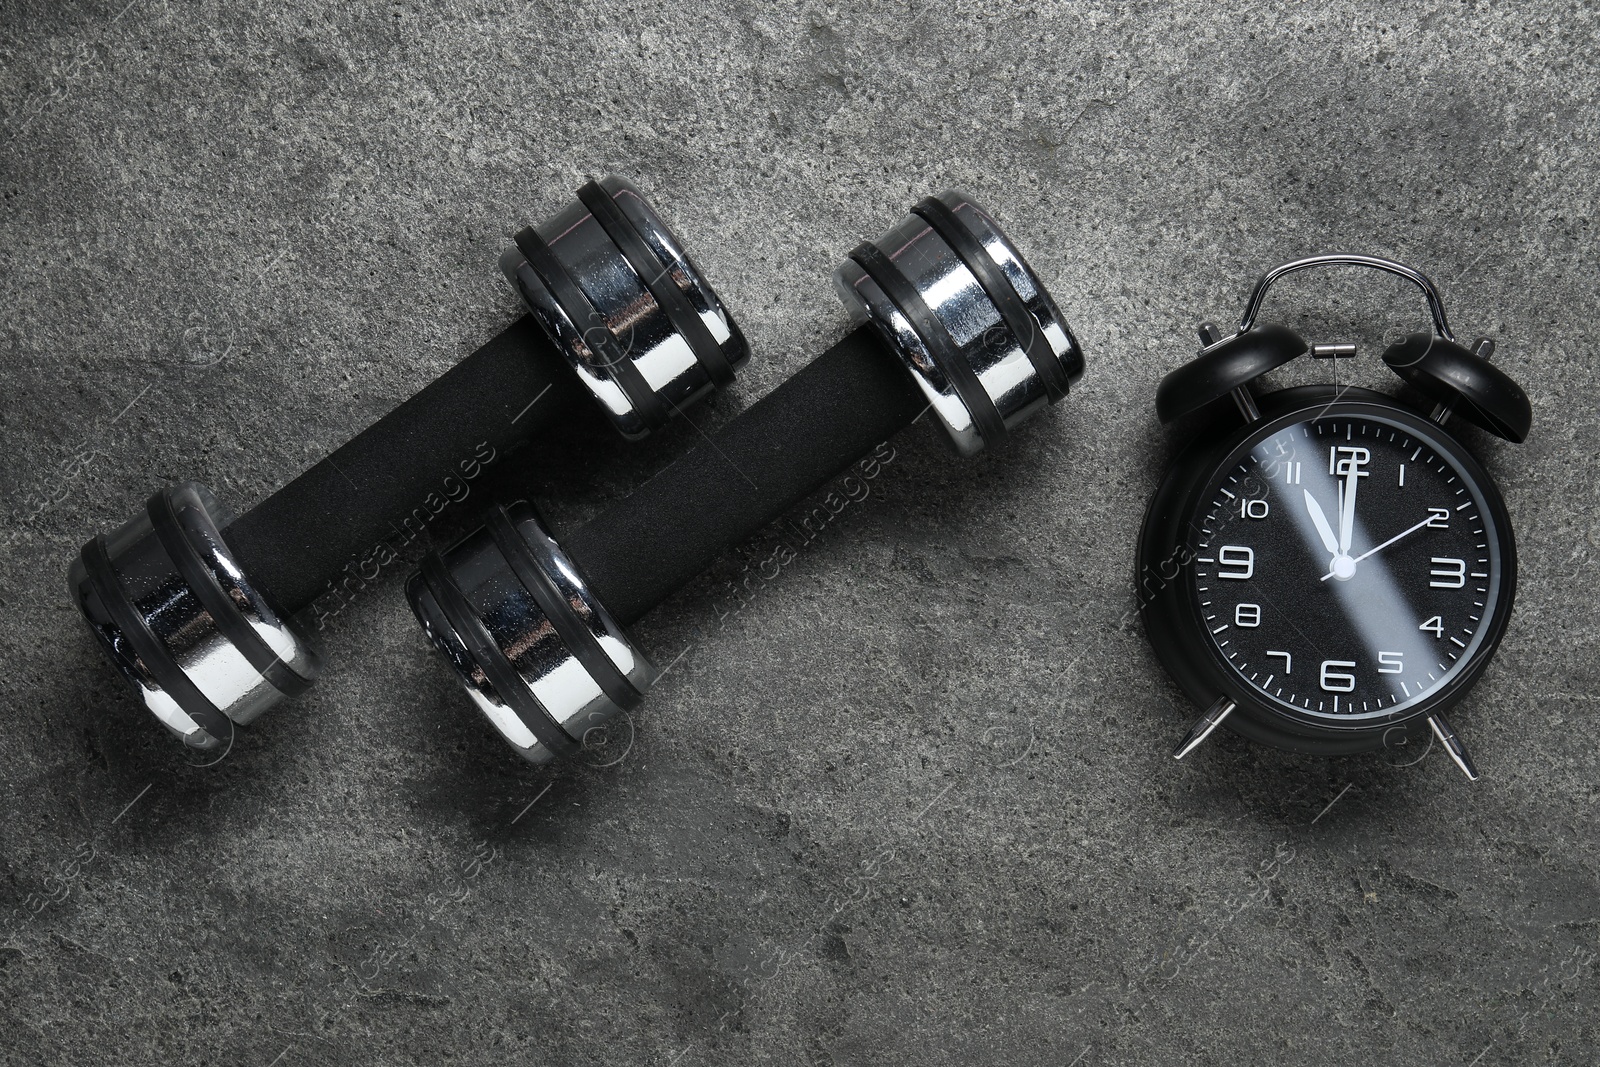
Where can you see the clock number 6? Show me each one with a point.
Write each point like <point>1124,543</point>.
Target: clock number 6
<point>1338,681</point>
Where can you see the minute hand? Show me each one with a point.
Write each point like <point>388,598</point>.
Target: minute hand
<point>1347,510</point>
<point>1386,544</point>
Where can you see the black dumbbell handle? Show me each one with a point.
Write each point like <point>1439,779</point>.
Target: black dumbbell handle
<point>762,463</point>
<point>297,541</point>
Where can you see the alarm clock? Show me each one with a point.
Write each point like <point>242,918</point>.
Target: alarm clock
<point>1328,569</point>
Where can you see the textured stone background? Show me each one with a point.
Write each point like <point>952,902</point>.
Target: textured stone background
<point>912,805</point>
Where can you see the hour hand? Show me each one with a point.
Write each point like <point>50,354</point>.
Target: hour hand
<point>1324,531</point>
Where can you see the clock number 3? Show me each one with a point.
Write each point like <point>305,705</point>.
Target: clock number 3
<point>1447,573</point>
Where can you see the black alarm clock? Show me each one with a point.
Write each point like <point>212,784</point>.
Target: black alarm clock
<point>1327,569</point>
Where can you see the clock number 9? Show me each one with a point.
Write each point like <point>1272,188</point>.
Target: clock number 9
<point>1236,556</point>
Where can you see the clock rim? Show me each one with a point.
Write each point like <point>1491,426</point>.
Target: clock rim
<point>1178,635</point>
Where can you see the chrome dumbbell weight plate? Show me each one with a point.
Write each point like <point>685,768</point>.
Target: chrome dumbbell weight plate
<point>513,651</point>
<point>177,614</point>
<point>625,304</point>
<point>538,654</point>
<point>957,302</point>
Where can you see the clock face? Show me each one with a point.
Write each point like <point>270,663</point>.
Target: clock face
<point>1348,566</point>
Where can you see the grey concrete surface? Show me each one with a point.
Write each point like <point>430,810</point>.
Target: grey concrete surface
<point>914,803</point>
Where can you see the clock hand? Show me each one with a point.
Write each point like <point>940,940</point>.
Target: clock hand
<point>1410,530</point>
<point>1320,520</point>
<point>1347,511</point>
<point>1386,544</point>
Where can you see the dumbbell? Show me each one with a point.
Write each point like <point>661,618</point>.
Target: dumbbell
<point>535,629</point>
<point>196,607</point>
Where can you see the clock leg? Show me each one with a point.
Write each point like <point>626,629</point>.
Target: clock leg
<point>1452,744</point>
<point>1203,727</point>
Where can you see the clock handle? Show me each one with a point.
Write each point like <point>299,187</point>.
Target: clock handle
<point>1441,325</point>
